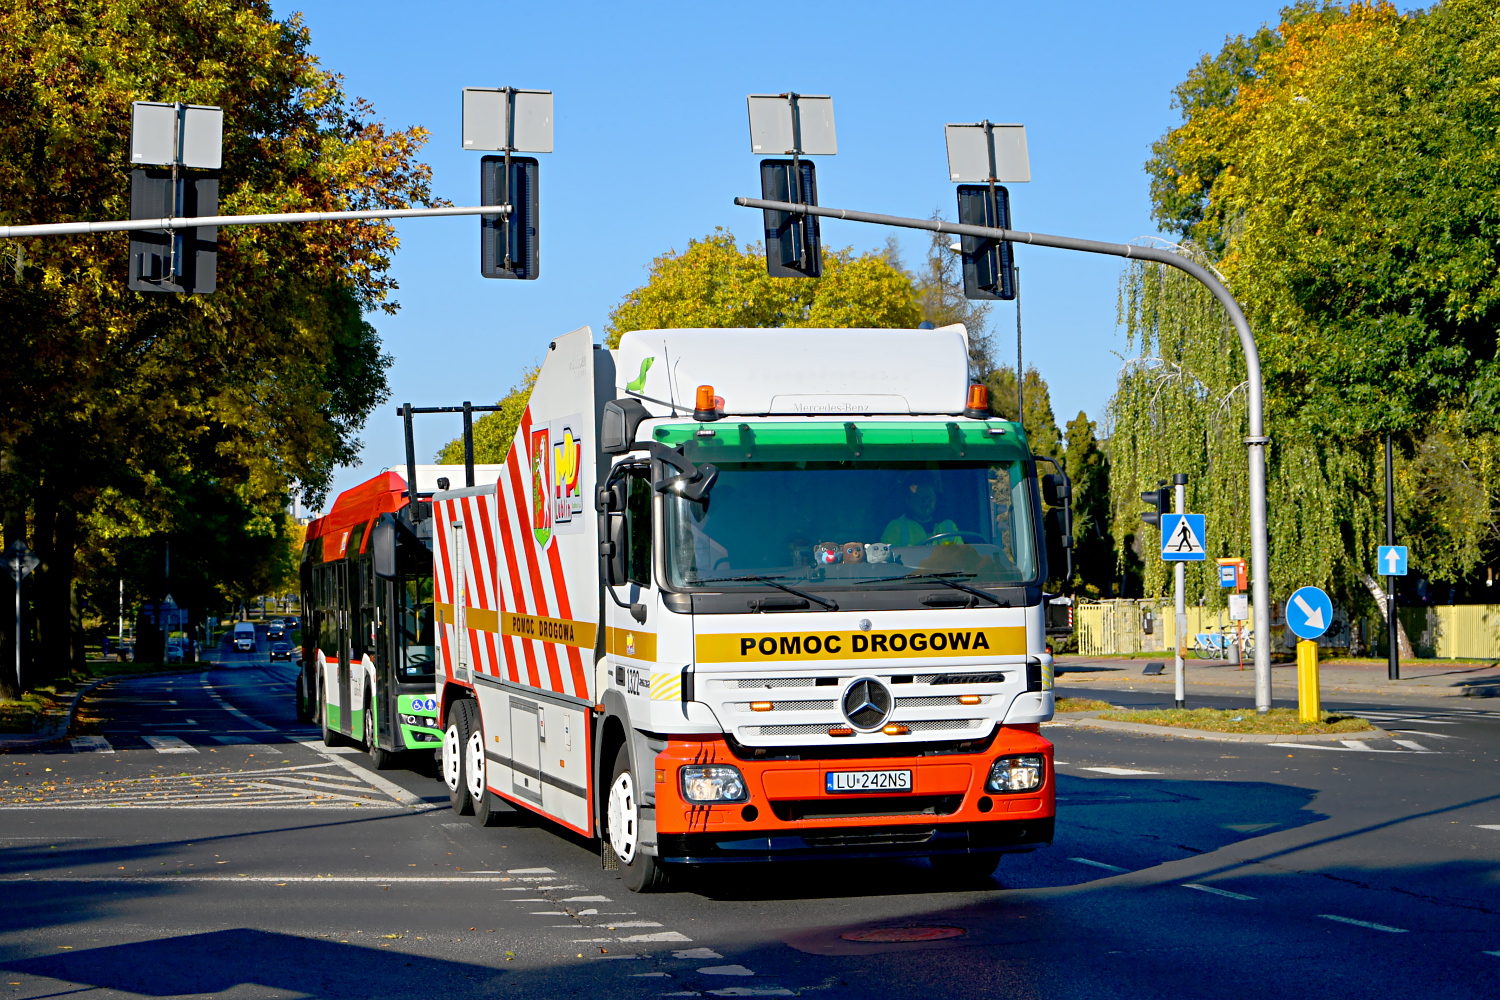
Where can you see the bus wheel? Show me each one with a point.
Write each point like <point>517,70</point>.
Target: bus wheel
<point>455,739</point>
<point>966,866</point>
<point>640,872</point>
<point>382,758</point>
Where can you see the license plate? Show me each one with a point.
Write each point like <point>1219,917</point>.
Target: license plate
<point>869,781</point>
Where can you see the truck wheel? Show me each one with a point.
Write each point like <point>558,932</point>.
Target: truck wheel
<point>486,812</point>
<point>382,758</point>
<point>640,872</point>
<point>455,740</point>
<point>966,866</point>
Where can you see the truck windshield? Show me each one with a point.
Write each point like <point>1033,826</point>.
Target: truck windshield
<point>872,524</point>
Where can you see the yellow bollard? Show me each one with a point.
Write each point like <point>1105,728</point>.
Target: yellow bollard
<point>1309,703</point>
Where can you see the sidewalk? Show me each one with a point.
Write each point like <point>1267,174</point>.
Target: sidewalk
<point>1426,680</point>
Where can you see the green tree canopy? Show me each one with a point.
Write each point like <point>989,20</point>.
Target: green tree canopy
<point>122,404</point>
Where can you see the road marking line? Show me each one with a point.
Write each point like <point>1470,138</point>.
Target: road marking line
<point>725,970</point>
<point>1486,826</point>
<point>746,991</point>
<point>659,936</point>
<point>696,953</point>
<point>633,923</point>
<point>387,786</point>
<point>1495,953</point>
<point>1329,746</point>
<point>1099,864</point>
<point>91,744</point>
<point>588,899</point>
<point>1364,923</point>
<point>1216,892</point>
<point>1413,745</point>
<point>1356,744</point>
<point>169,744</point>
<point>1117,770</point>
<point>203,680</point>
<point>527,871</point>
<point>1436,736</point>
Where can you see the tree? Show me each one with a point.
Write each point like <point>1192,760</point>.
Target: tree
<point>1338,169</point>
<point>119,400</point>
<point>1093,543</point>
<point>714,283</point>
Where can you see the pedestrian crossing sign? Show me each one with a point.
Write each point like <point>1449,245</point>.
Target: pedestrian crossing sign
<point>1182,537</point>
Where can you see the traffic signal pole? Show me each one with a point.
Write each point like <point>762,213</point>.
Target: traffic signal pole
<point>1179,596</point>
<point>135,225</point>
<point>1255,441</point>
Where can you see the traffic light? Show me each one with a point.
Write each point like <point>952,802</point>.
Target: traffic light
<point>508,244</point>
<point>988,265</point>
<point>792,247</point>
<point>1161,499</point>
<point>184,261</point>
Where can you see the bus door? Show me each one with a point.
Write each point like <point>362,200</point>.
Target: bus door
<point>347,708</point>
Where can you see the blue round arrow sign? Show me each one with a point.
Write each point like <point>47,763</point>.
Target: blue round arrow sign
<point>1309,613</point>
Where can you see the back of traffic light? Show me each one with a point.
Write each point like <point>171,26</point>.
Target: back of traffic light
<point>796,125</point>
<point>1161,500</point>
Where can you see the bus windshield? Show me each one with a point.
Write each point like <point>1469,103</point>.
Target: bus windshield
<point>416,655</point>
<point>871,524</point>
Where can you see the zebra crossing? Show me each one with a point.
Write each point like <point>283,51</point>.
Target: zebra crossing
<point>1400,723</point>
<point>324,785</point>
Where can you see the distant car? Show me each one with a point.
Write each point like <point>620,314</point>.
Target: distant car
<point>281,651</point>
<point>275,631</point>
<point>244,637</point>
<point>294,622</point>
<point>176,651</point>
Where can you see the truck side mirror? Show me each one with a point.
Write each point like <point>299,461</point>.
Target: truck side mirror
<point>613,552</point>
<point>1056,488</point>
<point>618,425</point>
<point>383,546</point>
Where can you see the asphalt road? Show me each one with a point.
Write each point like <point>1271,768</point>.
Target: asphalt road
<point>208,846</point>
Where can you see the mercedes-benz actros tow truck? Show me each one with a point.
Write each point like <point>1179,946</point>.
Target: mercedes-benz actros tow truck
<point>741,595</point>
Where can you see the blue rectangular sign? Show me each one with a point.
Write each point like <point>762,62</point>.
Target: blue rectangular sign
<point>1391,559</point>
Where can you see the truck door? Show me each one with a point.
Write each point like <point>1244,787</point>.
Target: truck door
<point>631,644</point>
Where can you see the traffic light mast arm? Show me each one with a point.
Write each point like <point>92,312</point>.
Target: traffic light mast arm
<point>1259,549</point>
<point>134,225</point>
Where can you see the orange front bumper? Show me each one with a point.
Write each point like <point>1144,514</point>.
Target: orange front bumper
<point>791,814</point>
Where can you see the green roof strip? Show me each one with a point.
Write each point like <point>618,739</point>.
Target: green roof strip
<point>841,440</point>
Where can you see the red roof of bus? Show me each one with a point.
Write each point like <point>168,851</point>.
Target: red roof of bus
<point>355,506</point>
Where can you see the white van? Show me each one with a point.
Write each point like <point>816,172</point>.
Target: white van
<point>244,637</point>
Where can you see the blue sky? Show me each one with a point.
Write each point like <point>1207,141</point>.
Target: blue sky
<point>652,146</point>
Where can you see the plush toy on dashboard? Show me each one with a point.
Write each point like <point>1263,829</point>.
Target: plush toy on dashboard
<point>854,552</point>
<point>826,553</point>
<point>877,552</point>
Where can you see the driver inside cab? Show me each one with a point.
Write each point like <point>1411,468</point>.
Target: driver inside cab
<point>916,525</point>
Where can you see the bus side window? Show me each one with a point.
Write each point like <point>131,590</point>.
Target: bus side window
<point>638,527</point>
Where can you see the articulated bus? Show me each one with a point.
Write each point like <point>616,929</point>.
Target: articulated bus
<point>367,628</point>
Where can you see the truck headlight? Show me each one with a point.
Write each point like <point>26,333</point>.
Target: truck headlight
<point>713,783</point>
<point>1016,774</point>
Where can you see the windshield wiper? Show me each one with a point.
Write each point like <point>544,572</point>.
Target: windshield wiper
<point>946,581</point>
<point>771,580</point>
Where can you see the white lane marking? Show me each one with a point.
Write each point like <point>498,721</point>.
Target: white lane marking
<point>1436,736</point>
<point>1364,923</point>
<point>1099,864</point>
<point>588,899</point>
<point>1117,770</point>
<point>1217,892</point>
<point>633,923</point>
<point>748,991</point>
<point>1413,745</point>
<point>527,871</point>
<point>1356,744</point>
<point>696,953</point>
<point>169,744</point>
<point>659,936</point>
<point>203,680</point>
<point>91,744</point>
<point>1329,746</point>
<point>1495,953</point>
<point>650,975</point>
<point>387,786</point>
<point>1486,826</point>
<point>725,970</point>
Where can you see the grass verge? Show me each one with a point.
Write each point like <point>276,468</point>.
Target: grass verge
<point>1082,705</point>
<point>1278,721</point>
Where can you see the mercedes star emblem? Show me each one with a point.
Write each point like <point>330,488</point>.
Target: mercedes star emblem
<point>867,703</point>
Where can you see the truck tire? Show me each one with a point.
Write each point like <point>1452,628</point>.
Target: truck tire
<point>383,759</point>
<point>487,810</point>
<point>455,740</point>
<point>640,872</point>
<point>966,867</point>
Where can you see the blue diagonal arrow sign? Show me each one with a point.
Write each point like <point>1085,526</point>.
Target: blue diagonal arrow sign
<point>1309,613</point>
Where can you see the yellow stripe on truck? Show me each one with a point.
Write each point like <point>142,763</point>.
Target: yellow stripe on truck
<point>919,643</point>
<point>563,631</point>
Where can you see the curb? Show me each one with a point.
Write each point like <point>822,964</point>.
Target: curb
<point>1087,719</point>
<point>57,726</point>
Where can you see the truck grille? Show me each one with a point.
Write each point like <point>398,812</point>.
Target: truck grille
<point>821,728</point>
<point>871,838</point>
<point>775,682</point>
<point>938,701</point>
<point>787,810</point>
<point>801,706</point>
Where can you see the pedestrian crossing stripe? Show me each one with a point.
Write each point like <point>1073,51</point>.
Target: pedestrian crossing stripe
<point>300,786</point>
